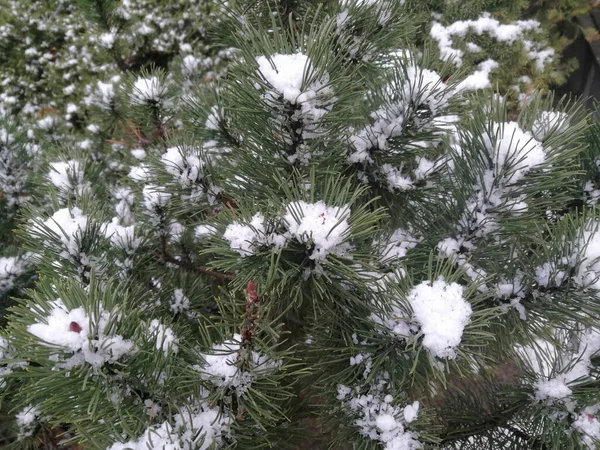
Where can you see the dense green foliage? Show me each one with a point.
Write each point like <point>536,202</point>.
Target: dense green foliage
<point>251,218</point>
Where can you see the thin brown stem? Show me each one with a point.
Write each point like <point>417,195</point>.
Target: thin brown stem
<point>199,269</point>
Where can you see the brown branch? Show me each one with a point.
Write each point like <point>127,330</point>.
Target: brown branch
<point>251,313</point>
<point>199,269</point>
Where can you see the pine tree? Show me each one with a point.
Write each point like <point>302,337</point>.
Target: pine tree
<point>332,239</point>
<point>59,64</point>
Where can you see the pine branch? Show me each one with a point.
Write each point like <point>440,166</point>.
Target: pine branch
<point>166,257</point>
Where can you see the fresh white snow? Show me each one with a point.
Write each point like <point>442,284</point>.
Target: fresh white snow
<point>81,337</point>
<point>443,312</point>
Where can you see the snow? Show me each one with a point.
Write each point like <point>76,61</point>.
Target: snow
<point>425,87</point>
<point>147,91</point>
<point>126,199</point>
<point>451,248</point>
<point>214,118</point>
<point>184,166</point>
<point>11,268</point>
<point>155,199</point>
<point>203,231</point>
<point>294,79</point>
<point>543,367</point>
<point>246,239</point>
<point>363,358</point>
<point>377,418</point>
<point>485,24</point>
<point>411,412</point>
<point>555,388</point>
<point>164,336</point>
<point>138,153</point>
<point>69,226</point>
<point>47,123</point>
<point>443,313</point>
<point>560,368</point>
<point>382,7</point>
<point>325,227</point>
<point>586,254</point>
<point>285,73</point>
<point>189,65</point>
<point>139,173</point>
<point>420,88</point>
<point>588,425</point>
<point>397,321</point>
<point>515,151</point>
<point>540,57</point>
<point>179,302</point>
<point>395,179</point>
<point>547,275</point>
<point>120,236</point>
<point>396,246</point>
<point>512,153</point>
<point>197,428</point>
<point>87,337</point>
<point>103,96</point>
<point>62,174</point>
<point>480,79</point>
<point>220,365</point>
<point>387,123</point>
<point>27,420</point>
<point>7,353</point>
<point>107,39</point>
<point>550,122</point>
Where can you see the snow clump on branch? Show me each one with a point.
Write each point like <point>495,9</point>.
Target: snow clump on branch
<point>87,336</point>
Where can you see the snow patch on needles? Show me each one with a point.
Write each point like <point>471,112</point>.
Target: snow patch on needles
<point>588,425</point>
<point>103,96</point>
<point>425,87</point>
<point>443,312</point>
<point>27,421</point>
<point>397,245</point>
<point>382,7</point>
<point>147,91</point>
<point>186,167</point>
<point>485,24</point>
<point>65,175</point>
<point>586,255</point>
<point>286,74</point>
<point>293,79</point>
<point>165,338</point>
<point>220,365</point>
<point>179,301</point>
<point>550,122</point>
<point>246,239</point>
<point>391,251</point>
<point>69,225</point>
<point>325,227</point>
<point>154,198</point>
<point>121,236</point>
<point>480,79</point>
<point>377,418</point>
<point>515,151</point>
<point>555,388</point>
<point>194,428</point>
<point>420,89</point>
<point>560,369</point>
<point>7,353</point>
<point>10,269</point>
<point>87,336</point>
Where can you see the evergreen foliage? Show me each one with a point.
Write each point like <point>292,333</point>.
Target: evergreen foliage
<point>333,230</point>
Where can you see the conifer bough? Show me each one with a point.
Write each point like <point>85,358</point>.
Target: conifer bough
<point>334,234</point>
